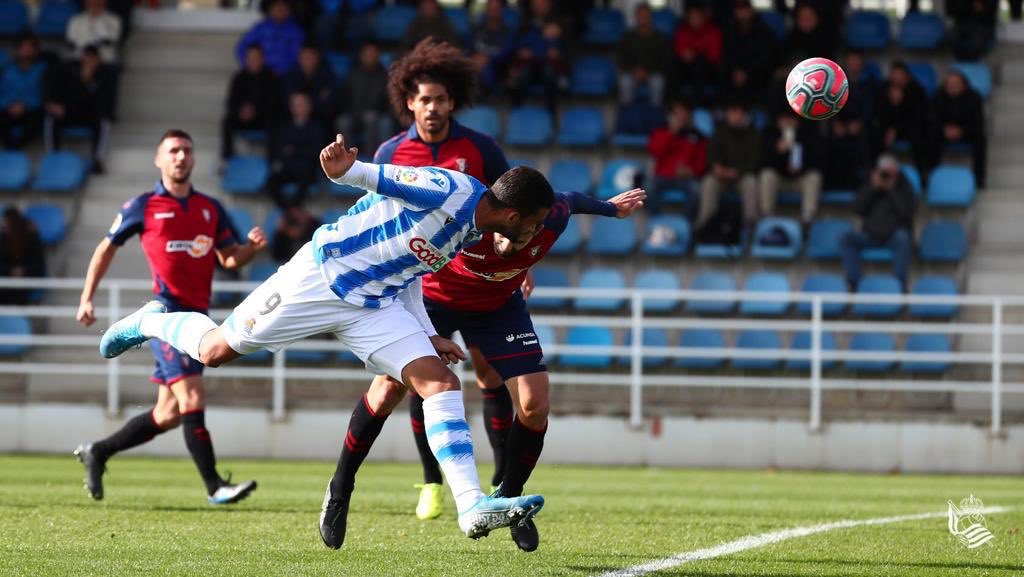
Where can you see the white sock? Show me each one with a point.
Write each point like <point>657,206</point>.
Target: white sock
<point>183,331</point>
<point>444,417</point>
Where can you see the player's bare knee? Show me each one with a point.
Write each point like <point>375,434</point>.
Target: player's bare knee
<point>167,417</point>
<point>535,413</point>
<point>429,376</point>
<point>384,395</point>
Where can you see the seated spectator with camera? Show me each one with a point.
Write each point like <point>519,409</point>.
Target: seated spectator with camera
<point>791,158</point>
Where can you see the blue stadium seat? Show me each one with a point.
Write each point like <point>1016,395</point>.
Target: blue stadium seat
<point>658,279</point>
<point>718,251</point>
<point>15,170</point>
<point>298,356</point>
<point>348,357</point>
<point>943,241</point>
<point>341,65</point>
<point>876,254</point>
<point>571,176</point>
<point>776,22</point>
<point>528,126</point>
<point>666,235</point>
<point>771,225</point>
<point>60,171</point>
<point>652,337</point>
<point>912,175</point>
<point>838,197</point>
<point>261,271</point>
<point>823,240</point>
<point>978,76</point>
<point>511,17</point>
<point>619,176</point>
<point>871,342</point>
<point>867,30</point>
<point>665,21</point>
<point>612,236</point>
<point>802,342</point>
<point>13,18</point>
<point>712,281</point>
<point>704,122</point>
<point>390,22</point>
<point>246,174</point>
<point>546,337</point>
<point>925,75</point>
<point>15,326</point>
<point>52,20</point>
<point>605,278</point>
<point>270,223</point>
<point>878,284</point>
<point>262,356</point>
<point>549,276</point>
<point>634,123</point>
<point>823,283</point>
<point>514,162</point>
<point>765,282</point>
<point>482,118</point>
<point>581,126</point>
<point>604,27</point>
<point>593,76</point>
<point>922,31</point>
<point>570,240</point>
<point>935,286</point>
<point>701,339</point>
<point>460,22</point>
<point>757,340</point>
<point>243,222</point>
<point>588,337</point>
<point>254,136</point>
<point>926,343</point>
<point>49,221</point>
<point>952,186</point>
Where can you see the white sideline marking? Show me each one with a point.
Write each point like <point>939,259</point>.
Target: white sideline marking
<point>755,541</point>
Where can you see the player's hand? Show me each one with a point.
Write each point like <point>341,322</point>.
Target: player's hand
<point>85,314</point>
<point>336,159</point>
<point>449,352</point>
<point>628,202</point>
<point>257,239</point>
<point>528,284</point>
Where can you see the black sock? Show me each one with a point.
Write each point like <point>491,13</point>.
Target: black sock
<point>138,430</point>
<point>197,439</point>
<point>431,470</point>
<point>363,428</point>
<point>524,448</point>
<point>497,420</point>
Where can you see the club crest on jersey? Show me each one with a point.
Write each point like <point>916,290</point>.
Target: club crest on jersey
<point>196,248</point>
<point>427,253</point>
<point>460,163</point>
<point>534,251</point>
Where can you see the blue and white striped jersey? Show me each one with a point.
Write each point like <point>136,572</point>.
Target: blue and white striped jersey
<point>413,222</point>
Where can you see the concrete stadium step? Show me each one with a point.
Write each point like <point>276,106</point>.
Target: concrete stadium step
<point>182,51</point>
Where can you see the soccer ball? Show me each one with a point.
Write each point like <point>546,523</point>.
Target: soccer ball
<point>817,88</point>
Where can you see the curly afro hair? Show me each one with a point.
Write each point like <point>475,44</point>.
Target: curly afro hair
<point>433,62</point>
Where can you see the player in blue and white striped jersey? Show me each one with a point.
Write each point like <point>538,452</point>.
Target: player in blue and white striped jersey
<point>359,279</point>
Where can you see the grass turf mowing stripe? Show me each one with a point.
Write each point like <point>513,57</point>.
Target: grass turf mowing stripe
<point>755,541</point>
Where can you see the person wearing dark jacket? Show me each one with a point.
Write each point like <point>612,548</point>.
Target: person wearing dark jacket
<point>363,101</point>
<point>21,254</point>
<point>791,158</point>
<point>430,22</point>
<point>732,162</point>
<point>644,57</point>
<point>252,101</point>
<point>750,51</point>
<point>82,95</point>
<point>808,38</point>
<point>313,76</point>
<point>885,217</point>
<point>846,150</point>
<point>959,119</point>
<point>900,116</point>
<point>295,152</point>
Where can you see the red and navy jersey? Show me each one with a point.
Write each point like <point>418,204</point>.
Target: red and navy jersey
<point>479,280</point>
<point>465,150</point>
<point>178,237</point>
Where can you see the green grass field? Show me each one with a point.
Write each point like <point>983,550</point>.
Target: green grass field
<point>155,521</point>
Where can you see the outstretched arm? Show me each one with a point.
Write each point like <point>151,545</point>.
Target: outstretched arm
<point>620,206</point>
<point>98,265</point>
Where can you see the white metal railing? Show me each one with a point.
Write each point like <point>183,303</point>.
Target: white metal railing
<point>635,319</point>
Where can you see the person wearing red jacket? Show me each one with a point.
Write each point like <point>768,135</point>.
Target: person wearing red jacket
<point>679,152</point>
<point>698,45</point>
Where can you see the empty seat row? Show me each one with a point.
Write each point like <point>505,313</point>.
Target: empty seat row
<point>51,20</point>
<point>58,171</point>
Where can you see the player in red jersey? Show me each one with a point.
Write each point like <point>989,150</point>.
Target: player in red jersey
<point>183,231</point>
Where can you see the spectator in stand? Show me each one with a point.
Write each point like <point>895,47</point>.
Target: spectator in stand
<point>885,217</point>
<point>21,94</point>
<point>21,255</point>
<point>430,22</point>
<point>680,155</point>
<point>900,116</point>
<point>974,28</point>
<point>95,27</point>
<point>644,58</point>
<point>278,35</point>
<point>363,100</point>
<point>808,38</point>
<point>294,229</point>
<point>846,149</point>
<point>311,75</point>
<point>1016,10</point>
<point>541,59</point>
<point>493,43</point>
<point>791,158</point>
<point>698,47</point>
<point>959,118</point>
<point>82,95</point>
<point>252,101</point>
<point>863,88</point>
<point>295,152</point>
<point>733,159</point>
<point>750,51</point>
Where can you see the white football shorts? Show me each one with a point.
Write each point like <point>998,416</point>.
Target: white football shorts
<point>296,303</point>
